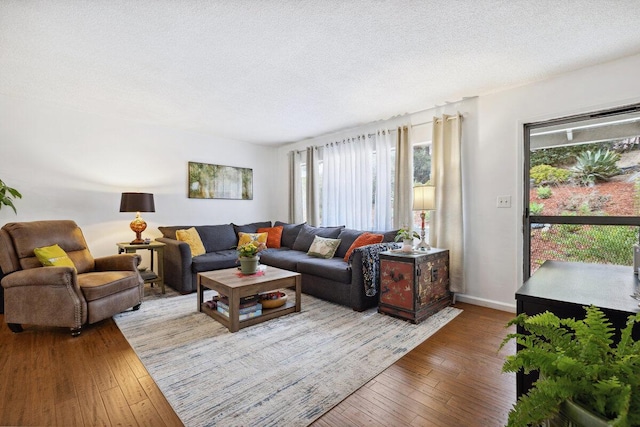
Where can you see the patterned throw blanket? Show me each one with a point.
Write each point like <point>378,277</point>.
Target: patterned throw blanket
<point>371,265</point>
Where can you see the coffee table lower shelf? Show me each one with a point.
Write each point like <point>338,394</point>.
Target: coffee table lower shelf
<point>267,314</point>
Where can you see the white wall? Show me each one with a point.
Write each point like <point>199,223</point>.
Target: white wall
<point>493,165</point>
<point>494,244</point>
<point>72,165</point>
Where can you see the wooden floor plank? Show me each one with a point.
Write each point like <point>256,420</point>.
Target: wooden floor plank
<point>454,378</point>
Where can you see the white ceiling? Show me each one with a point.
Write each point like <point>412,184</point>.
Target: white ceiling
<point>277,71</point>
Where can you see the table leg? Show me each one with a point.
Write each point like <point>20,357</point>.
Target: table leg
<point>234,310</point>
<point>200,293</point>
<point>298,292</point>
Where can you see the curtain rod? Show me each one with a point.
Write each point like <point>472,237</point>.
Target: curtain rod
<point>369,135</point>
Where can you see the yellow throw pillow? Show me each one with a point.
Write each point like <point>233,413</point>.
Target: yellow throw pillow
<point>244,238</point>
<point>53,256</point>
<point>191,237</point>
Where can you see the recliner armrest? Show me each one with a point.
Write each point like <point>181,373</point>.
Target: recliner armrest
<point>41,276</point>
<point>122,262</point>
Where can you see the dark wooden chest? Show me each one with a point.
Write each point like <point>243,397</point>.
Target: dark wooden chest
<point>414,286</point>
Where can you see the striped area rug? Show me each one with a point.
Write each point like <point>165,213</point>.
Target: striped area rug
<point>284,372</point>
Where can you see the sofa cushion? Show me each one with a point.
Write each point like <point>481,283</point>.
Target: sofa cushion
<point>217,237</point>
<point>289,233</point>
<point>191,237</point>
<point>251,228</point>
<point>389,236</point>
<point>334,268</point>
<point>244,238</point>
<point>284,258</point>
<point>347,236</point>
<point>170,231</point>
<point>363,240</point>
<point>274,235</point>
<point>215,261</point>
<point>100,284</point>
<point>323,247</point>
<point>308,233</point>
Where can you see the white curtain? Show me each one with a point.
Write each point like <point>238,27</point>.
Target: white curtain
<point>403,215</point>
<point>313,196</point>
<point>350,170</point>
<point>295,189</point>
<point>446,228</point>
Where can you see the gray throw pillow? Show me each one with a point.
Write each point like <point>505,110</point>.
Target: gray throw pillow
<point>308,233</point>
<point>289,233</point>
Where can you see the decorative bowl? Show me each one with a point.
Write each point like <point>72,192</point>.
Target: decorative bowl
<point>273,299</point>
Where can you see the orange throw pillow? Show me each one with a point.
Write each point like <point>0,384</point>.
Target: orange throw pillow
<point>274,235</point>
<point>363,240</point>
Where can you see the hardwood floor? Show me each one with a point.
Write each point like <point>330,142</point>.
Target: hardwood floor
<point>452,379</point>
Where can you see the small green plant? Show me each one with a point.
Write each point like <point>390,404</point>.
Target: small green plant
<point>406,234</point>
<point>592,166</point>
<point>544,192</point>
<point>548,174</point>
<point>535,208</point>
<point>7,194</point>
<point>577,361</point>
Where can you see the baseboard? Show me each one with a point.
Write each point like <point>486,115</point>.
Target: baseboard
<point>511,308</point>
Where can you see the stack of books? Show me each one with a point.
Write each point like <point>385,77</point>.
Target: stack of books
<point>249,307</point>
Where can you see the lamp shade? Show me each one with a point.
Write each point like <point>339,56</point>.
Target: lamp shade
<point>424,198</point>
<point>137,202</point>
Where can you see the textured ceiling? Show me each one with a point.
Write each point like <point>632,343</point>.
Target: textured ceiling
<point>277,71</point>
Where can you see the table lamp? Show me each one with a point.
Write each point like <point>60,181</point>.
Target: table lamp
<point>424,199</point>
<point>137,202</point>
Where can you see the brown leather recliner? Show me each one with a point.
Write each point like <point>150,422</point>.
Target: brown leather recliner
<point>96,289</point>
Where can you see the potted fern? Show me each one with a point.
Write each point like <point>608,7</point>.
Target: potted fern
<point>582,372</point>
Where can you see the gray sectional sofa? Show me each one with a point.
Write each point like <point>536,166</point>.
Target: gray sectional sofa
<point>331,279</point>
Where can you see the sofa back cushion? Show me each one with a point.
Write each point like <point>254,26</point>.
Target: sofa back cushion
<point>308,233</point>
<point>170,232</point>
<point>289,233</point>
<point>251,228</point>
<point>26,236</point>
<point>217,237</point>
<point>347,236</point>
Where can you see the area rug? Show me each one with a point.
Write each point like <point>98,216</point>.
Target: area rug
<point>284,372</point>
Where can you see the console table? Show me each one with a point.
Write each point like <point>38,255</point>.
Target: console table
<point>564,288</point>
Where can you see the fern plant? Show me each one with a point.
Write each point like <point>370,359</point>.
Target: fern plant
<point>597,165</point>
<point>577,360</point>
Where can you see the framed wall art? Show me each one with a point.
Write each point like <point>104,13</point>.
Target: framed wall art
<point>208,181</point>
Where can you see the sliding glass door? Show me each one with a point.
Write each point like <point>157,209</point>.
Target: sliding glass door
<point>582,188</point>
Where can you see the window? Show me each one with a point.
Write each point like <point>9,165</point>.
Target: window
<point>421,175</point>
<point>582,188</point>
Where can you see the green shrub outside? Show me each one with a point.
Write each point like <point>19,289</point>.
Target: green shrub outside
<point>535,208</point>
<point>592,166</point>
<point>544,192</point>
<point>549,174</point>
<point>562,156</point>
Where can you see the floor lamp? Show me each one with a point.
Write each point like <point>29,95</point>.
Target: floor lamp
<point>424,199</point>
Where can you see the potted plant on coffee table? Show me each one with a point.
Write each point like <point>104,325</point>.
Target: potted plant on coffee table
<point>581,370</point>
<point>248,256</point>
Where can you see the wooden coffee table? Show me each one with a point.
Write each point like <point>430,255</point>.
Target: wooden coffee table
<point>229,283</point>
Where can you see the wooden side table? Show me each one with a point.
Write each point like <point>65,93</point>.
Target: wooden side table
<point>158,248</point>
<point>414,285</point>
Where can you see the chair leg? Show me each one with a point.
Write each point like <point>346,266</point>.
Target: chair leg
<point>15,327</point>
<point>137,307</point>
<point>75,332</point>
